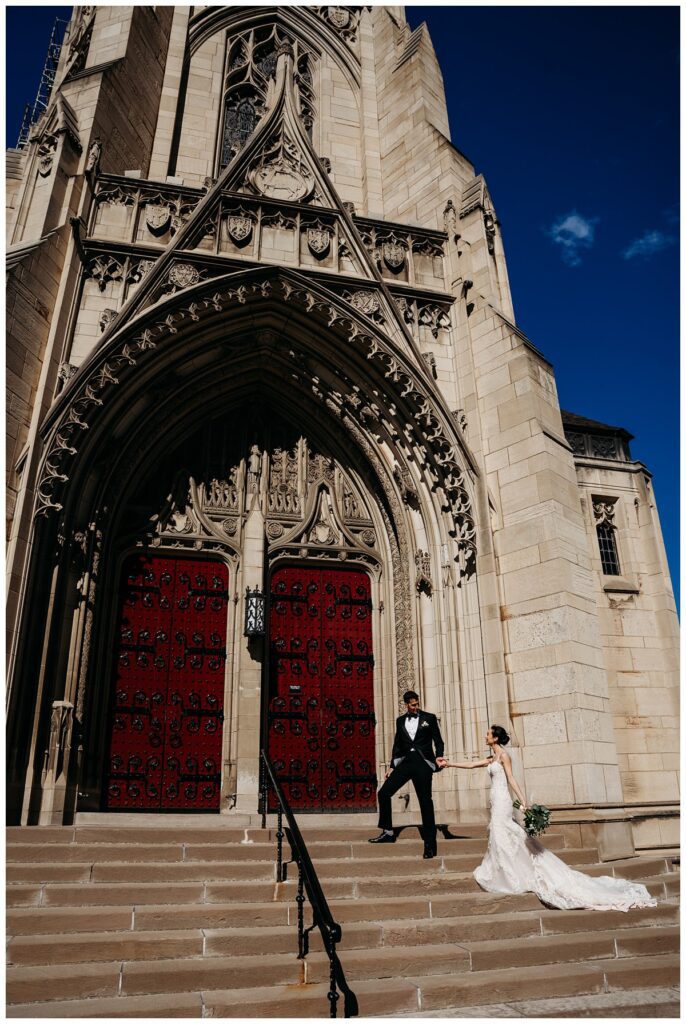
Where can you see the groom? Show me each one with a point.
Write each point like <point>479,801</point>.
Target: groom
<point>413,759</point>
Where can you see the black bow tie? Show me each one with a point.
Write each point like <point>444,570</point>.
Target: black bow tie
<point>410,715</point>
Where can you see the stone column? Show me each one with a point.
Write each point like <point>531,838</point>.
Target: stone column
<point>250,665</point>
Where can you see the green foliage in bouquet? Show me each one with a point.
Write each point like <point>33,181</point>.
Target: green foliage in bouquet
<point>536,818</point>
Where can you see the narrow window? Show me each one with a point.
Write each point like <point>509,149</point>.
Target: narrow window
<point>608,549</point>
<point>604,513</point>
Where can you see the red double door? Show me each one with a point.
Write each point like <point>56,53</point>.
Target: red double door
<point>320,717</point>
<point>167,708</point>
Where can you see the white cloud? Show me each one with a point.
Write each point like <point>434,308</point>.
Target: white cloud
<point>574,234</point>
<point>648,244</point>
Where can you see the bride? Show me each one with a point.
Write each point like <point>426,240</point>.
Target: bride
<point>515,862</point>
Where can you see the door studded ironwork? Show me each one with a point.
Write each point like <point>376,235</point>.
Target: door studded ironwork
<point>165,745</point>
<point>320,717</point>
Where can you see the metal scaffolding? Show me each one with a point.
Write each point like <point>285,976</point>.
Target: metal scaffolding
<point>32,112</point>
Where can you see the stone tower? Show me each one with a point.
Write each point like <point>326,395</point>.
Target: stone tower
<point>278,450</point>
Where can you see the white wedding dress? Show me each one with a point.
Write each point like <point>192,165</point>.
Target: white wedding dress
<point>515,863</point>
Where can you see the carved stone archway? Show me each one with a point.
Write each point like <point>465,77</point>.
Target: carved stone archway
<point>217,338</point>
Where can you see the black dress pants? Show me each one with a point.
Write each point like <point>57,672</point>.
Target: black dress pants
<point>412,769</point>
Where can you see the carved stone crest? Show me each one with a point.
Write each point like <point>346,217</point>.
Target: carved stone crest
<point>339,16</point>
<point>393,254</point>
<point>366,302</point>
<point>158,218</point>
<point>240,229</point>
<point>319,241</point>
<point>183,275</point>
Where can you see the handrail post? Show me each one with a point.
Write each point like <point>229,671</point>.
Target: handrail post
<point>332,994</point>
<point>300,900</point>
<point>279,845</point>
<point>265,791</point>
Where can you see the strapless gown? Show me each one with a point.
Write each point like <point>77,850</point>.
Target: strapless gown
<point>515,863</point>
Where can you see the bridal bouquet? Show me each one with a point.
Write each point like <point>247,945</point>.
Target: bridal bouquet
<point>536,818</point>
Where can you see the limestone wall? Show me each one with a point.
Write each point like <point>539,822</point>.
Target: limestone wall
<point>639,630</point>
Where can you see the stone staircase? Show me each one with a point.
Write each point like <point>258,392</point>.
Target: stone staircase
<point>187,921</point>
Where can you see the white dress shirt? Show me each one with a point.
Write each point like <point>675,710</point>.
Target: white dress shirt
<point>411,725</point>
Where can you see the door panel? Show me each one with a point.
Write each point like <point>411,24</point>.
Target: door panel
<point>321,713</point>
<point>165,746</point>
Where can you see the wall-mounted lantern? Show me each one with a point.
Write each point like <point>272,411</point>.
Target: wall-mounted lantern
<point>254,612</point>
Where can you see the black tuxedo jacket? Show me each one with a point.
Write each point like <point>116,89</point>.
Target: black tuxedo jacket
<point>428,741</point>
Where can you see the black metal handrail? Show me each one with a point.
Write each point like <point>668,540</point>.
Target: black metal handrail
<point>308,883</point>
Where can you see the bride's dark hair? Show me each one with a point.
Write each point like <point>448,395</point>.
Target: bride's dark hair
<point>500,734</point>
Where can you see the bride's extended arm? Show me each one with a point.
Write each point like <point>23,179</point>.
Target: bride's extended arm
<point>467,764</point>
<point>507,765</point>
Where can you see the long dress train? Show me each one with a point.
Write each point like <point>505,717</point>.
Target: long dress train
<point>515,863</point>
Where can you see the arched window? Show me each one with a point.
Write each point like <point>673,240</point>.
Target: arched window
<point>250,64</point>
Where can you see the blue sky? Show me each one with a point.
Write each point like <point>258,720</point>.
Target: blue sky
<point>572,115</point>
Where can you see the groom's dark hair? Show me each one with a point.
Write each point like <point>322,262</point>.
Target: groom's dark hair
<point>410,695</point>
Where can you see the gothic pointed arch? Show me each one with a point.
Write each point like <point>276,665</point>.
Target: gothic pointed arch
<point>380,390</point>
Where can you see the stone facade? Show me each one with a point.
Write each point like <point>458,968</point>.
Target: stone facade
<point>258,212</point>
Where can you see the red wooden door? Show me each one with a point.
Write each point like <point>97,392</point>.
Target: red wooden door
<point>166,739</point>
<point>321,688</point>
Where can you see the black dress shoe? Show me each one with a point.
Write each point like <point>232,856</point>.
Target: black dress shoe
<point>429,851</point>
<point>383,838</point>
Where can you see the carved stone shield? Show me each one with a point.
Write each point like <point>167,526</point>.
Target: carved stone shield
<point>240,229</point>
<point>183,275</point>
<point>319,241</point>
<point>157,217</point>
<point>339,16</point>
<point>393,254</point>
<point>366,302</point>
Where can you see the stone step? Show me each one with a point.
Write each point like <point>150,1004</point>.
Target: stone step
<point>420,916</point>
<point>505,985</point>
<point>93,980</point>
<point>393,995</point>
<point>373,872</point>
<point>376,865</point>
<point>125,944</point>
<point>636,867</point>
<point>334,849</point>
<point>86,947</point>
<point>444,958</point>
<point>172,833</point>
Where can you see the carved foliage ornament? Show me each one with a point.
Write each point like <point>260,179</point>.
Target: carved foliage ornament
<point>604,512</point>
